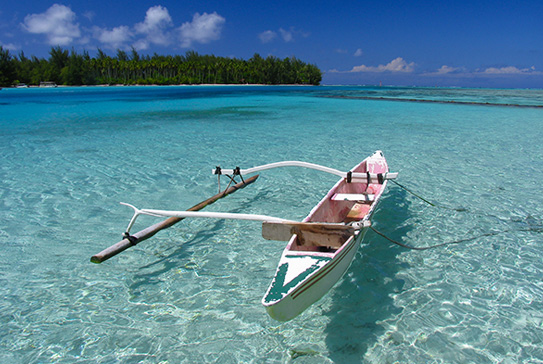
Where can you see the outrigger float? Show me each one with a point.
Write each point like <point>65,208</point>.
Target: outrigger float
<point>320,248</point>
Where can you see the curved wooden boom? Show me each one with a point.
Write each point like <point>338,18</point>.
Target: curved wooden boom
<point>360,177</point>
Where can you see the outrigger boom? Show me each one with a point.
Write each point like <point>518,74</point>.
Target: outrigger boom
<point>274,228</point>
<point>350,176</point>
<point>201,214</point>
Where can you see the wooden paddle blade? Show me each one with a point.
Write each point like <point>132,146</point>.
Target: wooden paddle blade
<point>282,231</point>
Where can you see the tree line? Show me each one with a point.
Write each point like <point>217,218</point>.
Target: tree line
<point>129,68</point>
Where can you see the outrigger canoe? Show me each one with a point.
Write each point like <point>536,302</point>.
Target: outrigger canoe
<point>312,263</point>
<point>321,248</point>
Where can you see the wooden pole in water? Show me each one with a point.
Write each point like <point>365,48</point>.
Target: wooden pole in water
<point>152,230</point>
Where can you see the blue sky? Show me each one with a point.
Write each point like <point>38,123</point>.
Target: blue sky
<point>424,43</point>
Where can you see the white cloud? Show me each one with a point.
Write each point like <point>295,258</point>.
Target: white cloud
<point>286,35</point>
<point>203,29</point>
<point>89,15</point>
<point>154,27</point>
<point>57,23</point>
<point>511,70</point>
<point>117,37</point>
<point>9,46</point>
<point>157,17</point>
<point>358,52</point>
<point>396,65</point>
<point>267,36</point>
<point>141,44</point>
<point>447,69</point>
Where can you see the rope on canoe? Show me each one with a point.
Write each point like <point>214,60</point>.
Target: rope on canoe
<point>433,204</point>
<point>433,246</point>
<point>441,207</point>
<point>537,228</point>
<point>532,230</point>
<point>425,200</point>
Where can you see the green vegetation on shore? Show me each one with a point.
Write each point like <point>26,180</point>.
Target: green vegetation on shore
<point>70,68</point>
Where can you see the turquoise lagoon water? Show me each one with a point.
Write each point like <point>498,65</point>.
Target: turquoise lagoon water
<point>192,293</point>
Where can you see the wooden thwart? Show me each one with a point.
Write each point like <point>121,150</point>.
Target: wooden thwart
<point>283,231</point>
<point>152,230</point>
<point>353,197</point>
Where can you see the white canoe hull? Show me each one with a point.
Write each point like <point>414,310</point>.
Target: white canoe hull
<point>308,269</point>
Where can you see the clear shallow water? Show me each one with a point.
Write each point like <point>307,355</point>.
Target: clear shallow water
<point>192,293</point>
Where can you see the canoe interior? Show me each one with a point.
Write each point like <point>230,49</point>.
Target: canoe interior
<point>342,211</point>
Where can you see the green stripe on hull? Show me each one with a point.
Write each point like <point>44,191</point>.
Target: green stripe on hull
<point>279,288</point>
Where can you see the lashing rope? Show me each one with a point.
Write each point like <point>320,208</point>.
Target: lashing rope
<point>433,246</point>
<point>538,229</point>
<point>425,200</point>
<point>237,172</point>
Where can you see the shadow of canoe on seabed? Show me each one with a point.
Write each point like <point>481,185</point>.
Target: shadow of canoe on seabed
<point>362,298</point>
